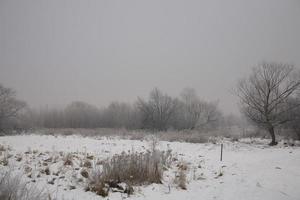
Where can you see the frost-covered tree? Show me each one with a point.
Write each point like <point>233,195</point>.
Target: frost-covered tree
<point>81,115</point>
<point>265,93</point>
<point>121,115</point>
<point>9,105</point>
<point>158,110</point>
<point>196,113</point>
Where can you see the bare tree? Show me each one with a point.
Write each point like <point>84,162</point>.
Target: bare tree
<point>264,95</point>
<point>9,105</point>
<point>79,114</point>
<point>210,116</point>
<point>191,108</point>
<point>121,115</point>
<point>195,112</point>
<point>158,111</point>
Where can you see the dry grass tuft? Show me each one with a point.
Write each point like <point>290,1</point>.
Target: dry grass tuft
<point>2,147</point>
<point>4,159</point>
<point>136,168</point>
<point>12,187</point>
<point>182,180</point>
<point>100,189</point>
<point>68,159</point>
<point>129,168</point>
<point>180,176</point>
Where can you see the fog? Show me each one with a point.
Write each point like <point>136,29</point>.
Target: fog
<point>54,52</point>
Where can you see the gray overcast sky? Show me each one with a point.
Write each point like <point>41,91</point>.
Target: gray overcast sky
<point>53,52</point>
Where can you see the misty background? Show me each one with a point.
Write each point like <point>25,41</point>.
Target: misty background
<point>55,52</point>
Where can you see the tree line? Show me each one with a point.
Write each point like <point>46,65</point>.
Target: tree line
<point>269,97</point>
<point>159,112</point>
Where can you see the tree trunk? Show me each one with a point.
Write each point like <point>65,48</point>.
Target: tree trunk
<point>272,133</point>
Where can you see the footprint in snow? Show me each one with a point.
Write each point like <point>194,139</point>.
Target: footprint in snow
<point>277,168</point>
<point>284,193</point>
<point>258,185</point>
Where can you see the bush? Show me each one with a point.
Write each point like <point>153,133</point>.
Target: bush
<point>129,168</point>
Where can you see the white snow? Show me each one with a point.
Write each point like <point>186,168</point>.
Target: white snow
<point>250,171</point>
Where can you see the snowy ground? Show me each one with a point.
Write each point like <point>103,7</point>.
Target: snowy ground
<point>248,171</point>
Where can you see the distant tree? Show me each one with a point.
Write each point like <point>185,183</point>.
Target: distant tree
<point>264,95</point>
<point>157,111</point>
<point>81,115</point>
<point>9,105</point>
<point>121,115</point>
<point>192,108</point>
<point>195,113</point>
<point>52,117</point>
<point>210,116</point>
<point>30,118</point>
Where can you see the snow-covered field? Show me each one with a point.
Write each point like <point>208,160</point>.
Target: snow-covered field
<point>248,171</point>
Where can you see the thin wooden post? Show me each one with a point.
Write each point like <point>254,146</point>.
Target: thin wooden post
<point>221,152</point>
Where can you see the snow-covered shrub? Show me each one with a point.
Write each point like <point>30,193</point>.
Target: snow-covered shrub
<point>4,157</point>
<point>153,142</point>
<point>136,168</point>
<point>68,159</point>
<point>130,168</point>
<point>2,147</point>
